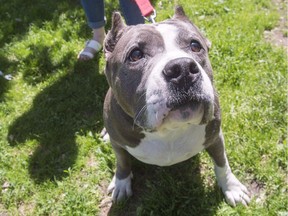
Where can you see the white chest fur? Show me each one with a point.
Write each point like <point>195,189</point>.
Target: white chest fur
<point>170,146</point>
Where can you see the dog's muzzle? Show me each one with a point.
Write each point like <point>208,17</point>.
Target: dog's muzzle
<point>181,72</point>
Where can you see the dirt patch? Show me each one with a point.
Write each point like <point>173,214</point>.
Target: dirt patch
<point>257,190</point>
<point>3,211</point>
<point>279,35</point>
<point>106,203</point>
<point>105,206</point>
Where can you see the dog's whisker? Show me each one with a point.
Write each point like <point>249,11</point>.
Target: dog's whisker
<point>144,94</point>
<point>156,115</point>
<point>139,114</point>
<point>216,104</point>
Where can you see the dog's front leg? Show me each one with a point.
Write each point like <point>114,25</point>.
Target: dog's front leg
<point>120,185</point>
<point>234,191</point>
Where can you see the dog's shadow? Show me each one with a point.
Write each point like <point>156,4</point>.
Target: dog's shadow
<point>71,105</point>
<point>174,190</point>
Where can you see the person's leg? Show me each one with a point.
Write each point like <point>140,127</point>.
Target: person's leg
<point>94,10</point>
<point>131,12</point>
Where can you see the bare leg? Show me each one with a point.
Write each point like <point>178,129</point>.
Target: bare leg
<point>89,51</point>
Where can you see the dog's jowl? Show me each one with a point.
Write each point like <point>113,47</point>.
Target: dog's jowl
<point>162,107</point>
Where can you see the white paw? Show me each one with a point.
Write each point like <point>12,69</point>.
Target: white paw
<point>105,136</point>
<point>234,191</point>
<point>120,188</point>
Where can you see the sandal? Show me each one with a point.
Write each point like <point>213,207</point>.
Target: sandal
<point>89,53</point>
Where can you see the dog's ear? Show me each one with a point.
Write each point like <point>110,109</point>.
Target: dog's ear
<point>208,43</point>
<point>180,14</point>
<point>114,34</point>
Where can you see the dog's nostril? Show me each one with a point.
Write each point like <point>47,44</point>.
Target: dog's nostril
<point>172,72</point>
<point>193,68</point>
<point>181,69</point>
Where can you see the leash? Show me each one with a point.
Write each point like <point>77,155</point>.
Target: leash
<point>147,10</point>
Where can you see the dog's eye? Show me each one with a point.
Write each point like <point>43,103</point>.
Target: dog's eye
<point>195,46</point>
<point>136,55</point>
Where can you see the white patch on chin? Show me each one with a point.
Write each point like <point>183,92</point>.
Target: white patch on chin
<point>177,118</point>
<point>157,110</point>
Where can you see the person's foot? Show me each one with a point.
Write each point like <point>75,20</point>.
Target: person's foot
<point>92,46</point>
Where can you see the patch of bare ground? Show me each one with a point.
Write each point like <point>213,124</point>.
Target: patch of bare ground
<point>3,212</point>
<point>257,190</point>
<point>26,209</point>
<point>106,203</point>
<point>279,35</point>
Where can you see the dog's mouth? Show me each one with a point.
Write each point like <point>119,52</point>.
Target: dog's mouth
<point>180,114</point>
<point>174,111</point>
<point>163,115</point>
<point>188,113</point>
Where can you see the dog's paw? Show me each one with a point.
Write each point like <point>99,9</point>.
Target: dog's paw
<point>120,188</point>
<point>104,135</point>
<point>234,191</point>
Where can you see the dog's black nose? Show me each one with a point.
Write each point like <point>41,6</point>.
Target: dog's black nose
<point>181,69</point>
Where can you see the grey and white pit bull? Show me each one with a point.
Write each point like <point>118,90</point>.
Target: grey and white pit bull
<point>162,107</point>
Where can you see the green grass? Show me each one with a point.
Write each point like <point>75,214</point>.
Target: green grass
<point>52,160</point>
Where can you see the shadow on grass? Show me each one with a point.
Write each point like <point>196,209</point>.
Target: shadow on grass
<point>17,17</point>
<point>39,66</point>
<point>5,66</point>
<point>169,191</point>
<point>73,104</point>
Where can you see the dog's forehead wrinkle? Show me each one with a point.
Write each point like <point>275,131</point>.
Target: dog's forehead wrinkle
<point>144,37</point>
<point>142,33</point>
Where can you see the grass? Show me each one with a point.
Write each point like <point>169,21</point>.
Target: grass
<point>52,161</point>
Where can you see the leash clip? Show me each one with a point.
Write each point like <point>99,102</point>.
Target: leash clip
<point>152,17</point>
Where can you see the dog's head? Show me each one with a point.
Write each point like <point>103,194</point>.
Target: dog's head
<point>160,74</point>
